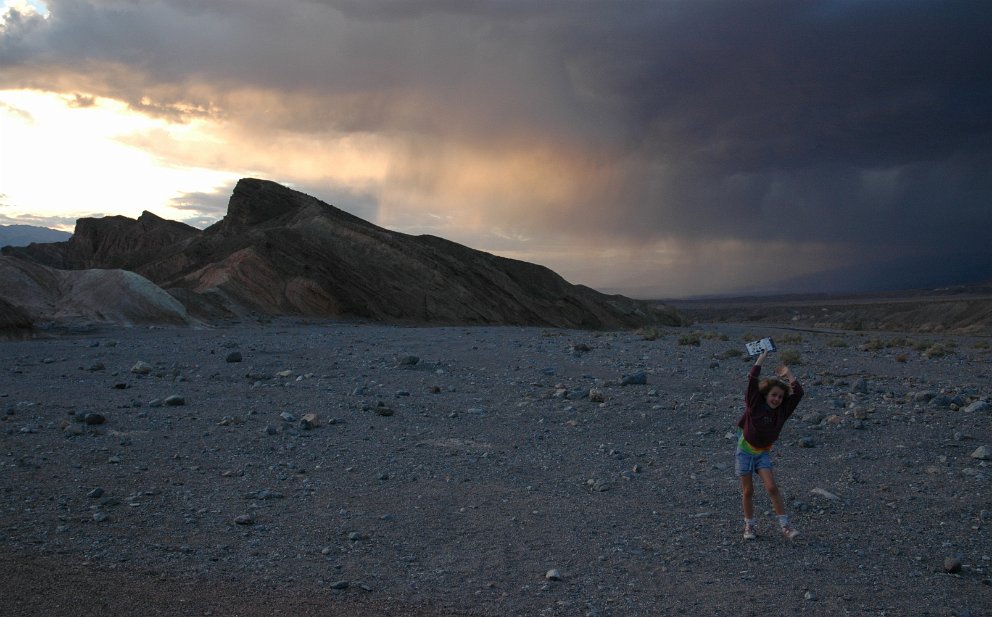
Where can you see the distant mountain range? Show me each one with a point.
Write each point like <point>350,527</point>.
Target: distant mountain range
<point>281,252</point>
<point>23,235</point>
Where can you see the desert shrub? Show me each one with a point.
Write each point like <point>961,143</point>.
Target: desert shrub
<point>937,350</point>
<point>902,357</point>
<point>792,339</point>
<point>733,352</point>
<point>875,344</point>
<point>750,336</point>
<point>790,357</point>
<point>836,342</point>
<point>982,345</point>
<point>693,338</point>
<point>650,334</point>
<point>919,345</point>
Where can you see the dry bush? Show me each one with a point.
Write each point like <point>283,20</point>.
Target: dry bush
<point>836,342</point>
<point>693,338</point>
<point>937,350</point>
<point>902,357</point>
<point>733,352</point>
<point>792,339</point>
<point>650,334</point>
<point>790,357</point>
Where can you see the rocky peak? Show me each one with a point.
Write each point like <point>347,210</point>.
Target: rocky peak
<point>255,202</point>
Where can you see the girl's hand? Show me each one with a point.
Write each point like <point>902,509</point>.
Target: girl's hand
<point>761,358</point>
<point>784,373</point>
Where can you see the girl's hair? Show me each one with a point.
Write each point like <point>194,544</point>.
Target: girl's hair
<point>765,385</point>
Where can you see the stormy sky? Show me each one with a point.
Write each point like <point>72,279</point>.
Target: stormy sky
<point>659,149</point>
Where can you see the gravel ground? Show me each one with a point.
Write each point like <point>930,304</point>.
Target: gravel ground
<point>465,471</point>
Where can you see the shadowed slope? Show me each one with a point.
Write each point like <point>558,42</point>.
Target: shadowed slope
<point>281,252</point>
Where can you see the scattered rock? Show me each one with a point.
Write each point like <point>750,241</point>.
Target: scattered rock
<point>977,406</point>
<point>952,565</point>
<point>94,418</point>
<point>807,442</point>
<point>244,519</point>
<point>982,453</point>
<point>596,396</point>
<point>407,361</point>
<point>234,356</point>
<point>825,494</point>
<point>174,401</point>
<point>553,574</point>
<point>339,585</point>
<point>309,421</point>
<point>141,368</point>
<point>636,379</point>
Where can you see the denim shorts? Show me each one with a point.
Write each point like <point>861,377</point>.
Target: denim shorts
<point>748,464</point>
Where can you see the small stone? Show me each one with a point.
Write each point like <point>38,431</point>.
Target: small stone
<point>339,585</point>
<point>952,565</point>
<point>354,536</point>
<point>244,519</point>
<point>141,368</point>
<point>234,356</point>
<point>95,493</point>
<point>636,379</point>
<point>807,442</point>
<point>309,421</point>
<point>382,410</point>
<point>809,596</point>
<point>596,396</point>
<point>174,401</point>
<point>976,407</point>
<point>982,453</point>
<point>94,418</point>
<point>825,494</point>
<point>271,430</point>
<point>553,574</point>
<point>74,430</point>
<point>812,418</point>
<point>407,361</point>
<point>284,374</point>
<point>101,517</point>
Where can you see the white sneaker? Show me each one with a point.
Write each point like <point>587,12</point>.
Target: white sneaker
<point>749,532</point>
<point>789,532</point>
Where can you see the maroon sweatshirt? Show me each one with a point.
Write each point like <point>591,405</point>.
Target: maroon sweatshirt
<point>762,424</point>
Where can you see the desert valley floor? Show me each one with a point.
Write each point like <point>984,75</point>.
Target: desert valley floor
<point>486,471</point>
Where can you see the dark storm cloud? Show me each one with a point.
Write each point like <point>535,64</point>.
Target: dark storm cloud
<point>864,125</point>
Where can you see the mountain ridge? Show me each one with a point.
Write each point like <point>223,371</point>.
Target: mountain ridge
<point>278,251</point>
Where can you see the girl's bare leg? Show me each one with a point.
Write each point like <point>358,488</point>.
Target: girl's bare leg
<point>747,496</point>
<point>768,478</point>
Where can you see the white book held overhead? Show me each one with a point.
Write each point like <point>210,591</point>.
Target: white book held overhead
<point>756,347</point>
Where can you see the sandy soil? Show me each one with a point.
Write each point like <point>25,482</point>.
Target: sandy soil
<point>452,486</point>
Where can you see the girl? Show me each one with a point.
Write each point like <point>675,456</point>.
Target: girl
<point>768,404</point>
